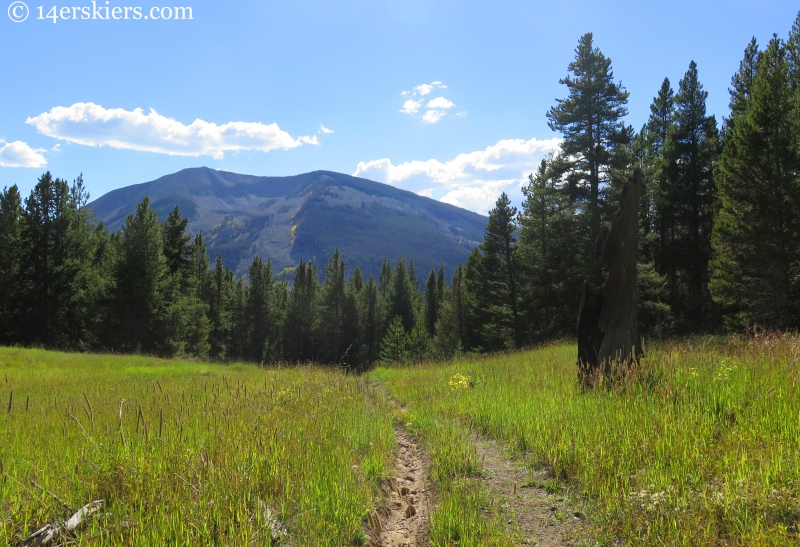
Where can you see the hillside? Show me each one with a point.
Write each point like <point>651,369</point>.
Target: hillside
<point>305,216</point>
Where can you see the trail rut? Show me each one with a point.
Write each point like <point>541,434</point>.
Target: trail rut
<point>403,519</point>
<point>535,516</point>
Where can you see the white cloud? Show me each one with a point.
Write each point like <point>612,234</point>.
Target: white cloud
<point>440,102</point>
<point>433,116</point>
<point>410,107</point>
<point>461,114</point>
<point>436,107</point>
<point>324,129</point>
<point>19,154</point>
<point>424,89</point>
<point>92,125</point>
<point>472,180</point>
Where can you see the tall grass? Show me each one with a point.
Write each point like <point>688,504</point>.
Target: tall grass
<point>187,453</point>
<point>700,446</point>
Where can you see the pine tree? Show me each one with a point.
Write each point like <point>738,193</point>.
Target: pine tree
<point>221,311</point>
<point>590,120</point>
<point>550,264</point>
<point>420,345</point>
<point>447,342</point>
<point>394,346</point>
<point>351,323</point>
<point>177,246</point>
<point>475,303</point>
<point>301,314</point>
<point>370,323</point>
<point>742,82</point>
<point>58,288</point>
<point>756,234</point>
<point>440,284</point>
<point>657,208</point>
<point>431,303</point>
<point>401,299</point>
<point>260,312</point>
<point>331,311</point>
<point>142,274</point>
<point>690,153</point>
<point>499,246</point>
<point>385,278</point>
<point>10,251</point>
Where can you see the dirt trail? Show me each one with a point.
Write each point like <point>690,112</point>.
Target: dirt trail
<point>535,516</point>
<point>402,521</point>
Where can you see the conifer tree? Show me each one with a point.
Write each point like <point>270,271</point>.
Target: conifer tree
<point>756,234</point>
<point>690,153</point>
<point>590,121</point>
<point>394,346</point>
<point>551,270</point>
<point>475,303</point>
<point>141,299</point>
<point>260,312</point>
<point>742,83</point>
<point>420,345</point>
<point>401,300</point>
<point>440,284</point>
<point>331,311</point>
<point>385,278</point>
<point>302,309</point>
<point>500,276</point>
<point>351,323</point>
<point>10,252</point>
<point>431,303</point>
<point>58,288</point>
<point>221,311</point>
<point>177,246</point>
<point>370,322</point>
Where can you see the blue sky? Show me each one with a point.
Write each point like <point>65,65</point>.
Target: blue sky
<point>247,86</point>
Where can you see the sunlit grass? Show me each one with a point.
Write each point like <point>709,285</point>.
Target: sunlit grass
<point>700,447</point>
<point>196,454</point>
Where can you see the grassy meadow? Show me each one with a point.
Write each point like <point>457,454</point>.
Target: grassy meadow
<point>700,447</point>
<point>187,453</point>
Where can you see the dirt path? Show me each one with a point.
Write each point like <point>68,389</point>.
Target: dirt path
<point>402,521</point>
<point>538,512</point>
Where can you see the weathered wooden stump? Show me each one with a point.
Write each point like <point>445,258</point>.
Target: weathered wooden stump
<point>607,316</point>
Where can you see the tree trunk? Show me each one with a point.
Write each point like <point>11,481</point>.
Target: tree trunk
<point>607,316</point>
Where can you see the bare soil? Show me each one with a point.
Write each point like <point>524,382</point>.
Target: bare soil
<point>539,510</point>
<point>402,520</point>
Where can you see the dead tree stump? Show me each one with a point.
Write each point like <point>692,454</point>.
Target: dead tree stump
<point>607,315</point>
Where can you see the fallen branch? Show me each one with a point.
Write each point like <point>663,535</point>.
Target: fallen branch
<point>46,534</point>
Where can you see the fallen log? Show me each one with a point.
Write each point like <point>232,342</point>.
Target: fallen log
<point>50,532</point>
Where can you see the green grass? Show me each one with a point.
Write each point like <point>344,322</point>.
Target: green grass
<point>700,447</point>
<point>198,454</point>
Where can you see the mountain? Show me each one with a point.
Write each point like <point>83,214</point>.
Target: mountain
<point>305,216</point>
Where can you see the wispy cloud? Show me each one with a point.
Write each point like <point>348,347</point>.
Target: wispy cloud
<point>472,180</point>
<point>19,154</point>
<point>92,125</point>
<point>323,129</point>
<point>433,116</point>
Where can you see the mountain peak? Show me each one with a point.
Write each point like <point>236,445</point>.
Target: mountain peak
<point>304,216</point>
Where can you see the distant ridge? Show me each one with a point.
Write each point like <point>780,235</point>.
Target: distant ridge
<point>305,216</point>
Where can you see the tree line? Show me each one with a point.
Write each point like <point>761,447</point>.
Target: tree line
<point>719,245</point>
